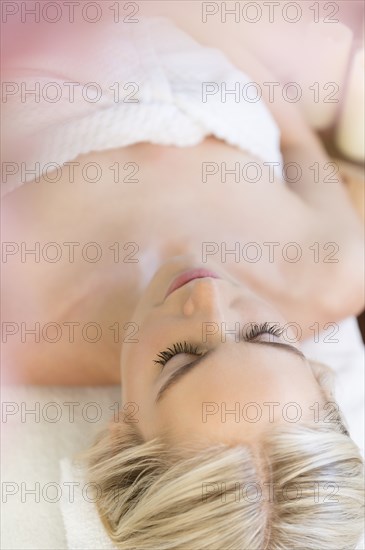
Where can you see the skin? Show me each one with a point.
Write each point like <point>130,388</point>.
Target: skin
<point>170,212</point>
<point>234,374</point>
<point>305,292</point>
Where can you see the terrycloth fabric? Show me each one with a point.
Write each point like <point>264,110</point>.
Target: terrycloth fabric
<point>65,420</point>
<point>84,529</point>
<point>33,447</point>
<point>149,81</point>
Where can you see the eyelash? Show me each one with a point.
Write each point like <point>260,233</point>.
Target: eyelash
<point>256,330</point>
<point>180,347</point>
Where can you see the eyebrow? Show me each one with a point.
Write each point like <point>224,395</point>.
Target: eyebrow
<point>183,370</point>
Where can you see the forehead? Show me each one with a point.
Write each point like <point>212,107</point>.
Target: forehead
<point>248,369</point>
<point>238,392</point>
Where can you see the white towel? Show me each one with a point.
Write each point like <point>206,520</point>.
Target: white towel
<point>40,426</point>
<point>164,72</point>
<point>341,348</point>
<point>84,529</point>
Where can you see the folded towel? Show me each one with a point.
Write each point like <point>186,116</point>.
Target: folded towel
<point>84,529</point>
<point>165,74</point>
<point>40,426</point>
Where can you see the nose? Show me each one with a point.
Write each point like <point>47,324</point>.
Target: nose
<point>205,299</point>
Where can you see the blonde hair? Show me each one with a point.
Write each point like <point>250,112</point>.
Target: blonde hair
<point>154,496</point>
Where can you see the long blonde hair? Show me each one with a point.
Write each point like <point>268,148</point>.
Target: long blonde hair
<point>302,488</point>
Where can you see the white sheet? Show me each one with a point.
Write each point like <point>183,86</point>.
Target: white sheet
<point>33,445</point>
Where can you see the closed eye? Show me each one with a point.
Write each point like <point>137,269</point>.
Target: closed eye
<point>184,369</point>
<point>253,331</point>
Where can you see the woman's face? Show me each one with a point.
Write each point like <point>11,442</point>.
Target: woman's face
<point>227,382</point>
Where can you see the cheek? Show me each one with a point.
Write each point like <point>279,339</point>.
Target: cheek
<point>264,312</point>
<point>149,326</point>
<point>140,342</point>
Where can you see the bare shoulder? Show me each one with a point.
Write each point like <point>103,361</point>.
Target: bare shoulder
<point>54,370</point>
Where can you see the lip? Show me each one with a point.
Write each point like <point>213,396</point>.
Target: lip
<point>188,276</point>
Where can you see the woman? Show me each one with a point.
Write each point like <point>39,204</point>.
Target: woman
<point>205,280</point>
